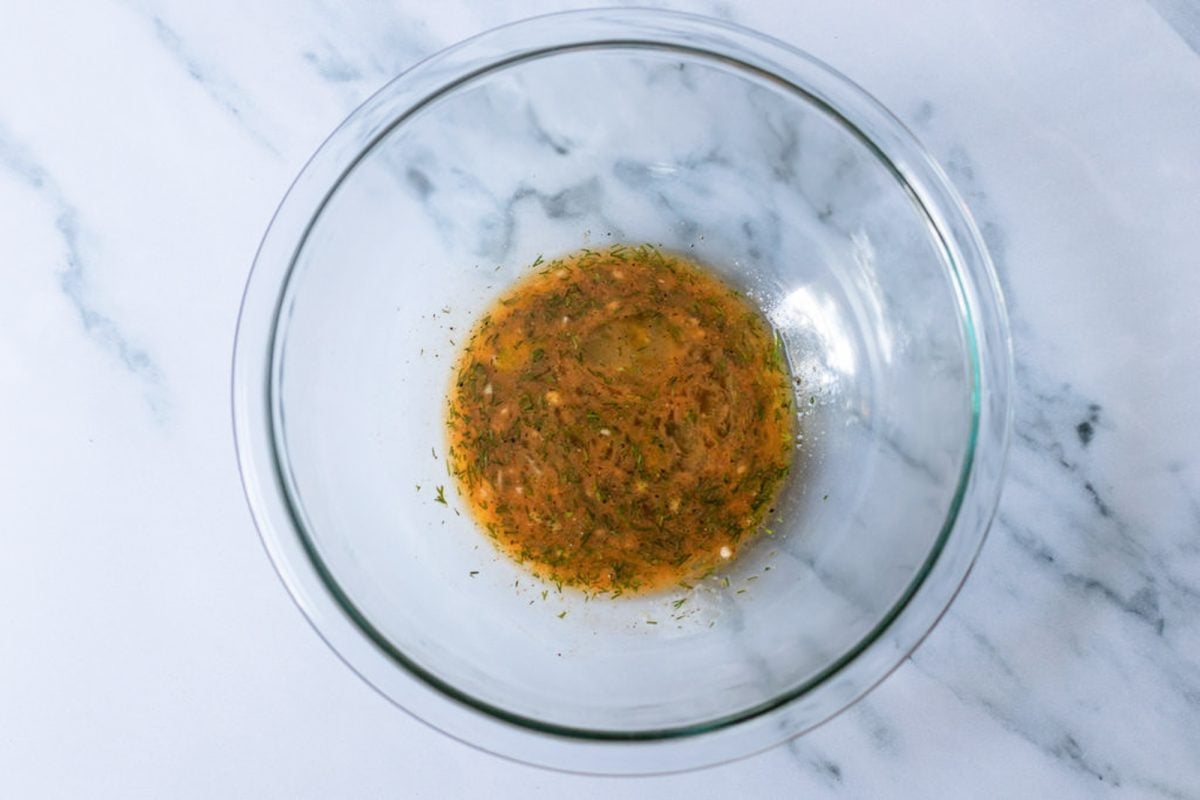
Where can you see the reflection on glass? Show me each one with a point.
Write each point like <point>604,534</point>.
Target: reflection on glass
<point>807,313</point>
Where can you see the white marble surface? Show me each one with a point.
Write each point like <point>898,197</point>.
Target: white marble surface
<point>149,650</point>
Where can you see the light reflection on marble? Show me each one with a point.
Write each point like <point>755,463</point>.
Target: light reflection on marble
<point>142,151</point>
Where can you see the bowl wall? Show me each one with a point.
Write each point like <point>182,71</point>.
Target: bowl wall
<point>781,177</point>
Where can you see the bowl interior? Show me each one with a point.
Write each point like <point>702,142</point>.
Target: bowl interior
<point>589,146</point>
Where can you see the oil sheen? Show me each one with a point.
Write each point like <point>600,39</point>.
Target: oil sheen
<point>621,420</point>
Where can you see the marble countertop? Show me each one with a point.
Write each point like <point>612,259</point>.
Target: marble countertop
<point>150,651</point>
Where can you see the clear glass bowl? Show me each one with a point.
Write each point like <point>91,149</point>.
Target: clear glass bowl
<point>590,128</point>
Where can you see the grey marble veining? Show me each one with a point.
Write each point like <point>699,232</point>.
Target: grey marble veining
<point>20,164</point>
<point>150,639</point>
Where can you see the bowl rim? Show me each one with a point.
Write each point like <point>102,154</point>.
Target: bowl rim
<point>274,505</point>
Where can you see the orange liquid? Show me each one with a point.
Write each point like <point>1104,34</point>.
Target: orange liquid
<point>621,421</point>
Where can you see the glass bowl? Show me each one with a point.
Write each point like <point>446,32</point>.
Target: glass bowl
<point>587,129</point>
